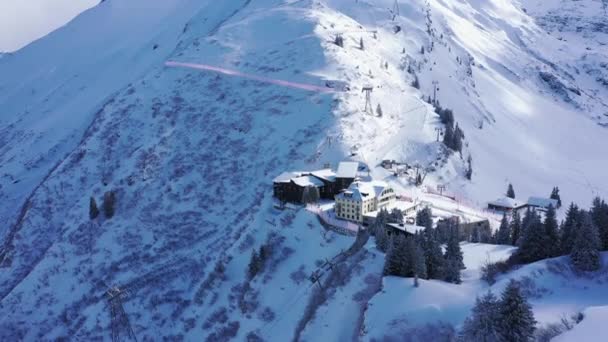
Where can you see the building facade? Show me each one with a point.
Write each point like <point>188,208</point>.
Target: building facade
<point>361,198</point>
<point>294,187</point>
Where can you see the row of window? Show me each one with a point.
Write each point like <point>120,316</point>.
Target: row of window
<point>352,217</point>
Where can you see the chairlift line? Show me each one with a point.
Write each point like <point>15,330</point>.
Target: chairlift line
<point>283,83</point>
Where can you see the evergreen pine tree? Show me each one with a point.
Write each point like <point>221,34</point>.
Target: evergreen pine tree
<point>525,223</point>
<point>483,323</point>
<point>585,255</point>
<point>551,233</point>
<point>416,82</point>
<point>382,218</point>
<point>568,229</point>
<point>435,262</point>
<point>457,139</point>
<point>254,265</point>
<point>469,171</point>
<point>393,258</point>
<point>404,258</point>
<point>448,136</point>
<point>382,239</point>
<point>424,218</point>
<point>379,110</point>
<point>339,40</point>
<point>453,259</point>
<point>263,255</point>
<point>452,272</point>
<point>555,196</point>
<point>516,321</point>
<point>485,234</point>
<point>510,191</point>
<point>109,200</point>
<point>515,227</point>
<point>599,215</point>
<point>503,237</point>
<point>532,247</point>
<point>93,210</point>
<point>443,230</point>
<point>453,252</point>
<point>361,46</point>
<point>475,235</point>
<point>395,216</point>
<point>419,261</point>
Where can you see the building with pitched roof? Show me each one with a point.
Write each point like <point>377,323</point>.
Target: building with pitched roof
<point>362,198</point>
<point>541,203</point>
<point>291,186</point>
<point>506,204</point>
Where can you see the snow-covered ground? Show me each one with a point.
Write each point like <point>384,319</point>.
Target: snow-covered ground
<point>191,154</point>
<point>554,291</point>
<point>590,329</point>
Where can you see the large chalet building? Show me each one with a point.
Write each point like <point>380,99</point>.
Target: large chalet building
<point>292,186</point>
<point>361,198</point>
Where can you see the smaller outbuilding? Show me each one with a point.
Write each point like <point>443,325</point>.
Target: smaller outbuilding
<point>403,229</point>
<point>541,204</point>
<point>506,204</point>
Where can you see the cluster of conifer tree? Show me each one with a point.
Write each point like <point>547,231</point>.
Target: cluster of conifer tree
<point>582,235</point>
<point>109,203</point>
<point>453,135</point>
<point>509,318</point>
<point>419,255</point>
<point>257,261</point>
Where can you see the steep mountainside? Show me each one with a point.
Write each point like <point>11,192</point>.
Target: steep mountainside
<point>190,154</point>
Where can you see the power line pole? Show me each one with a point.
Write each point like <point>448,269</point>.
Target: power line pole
<point>368,99</point>
<point>439,131</point>
<point>395,9</point>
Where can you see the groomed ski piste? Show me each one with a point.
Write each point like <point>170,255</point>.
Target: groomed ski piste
<point>191,154</point>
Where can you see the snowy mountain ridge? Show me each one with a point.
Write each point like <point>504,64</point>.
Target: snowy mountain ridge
<point>191,154</point>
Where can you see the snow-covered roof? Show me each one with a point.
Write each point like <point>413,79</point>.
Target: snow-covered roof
<point>326,174</point>
<point>507,202</point>
<point>364,190</point>
<point>305,181</point>
<point>408,228</point>
<point>286,177</point>
<point>542,202</point>
<point>347,170</point>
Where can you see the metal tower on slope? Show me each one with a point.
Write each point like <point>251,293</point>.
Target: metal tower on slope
<point>395,10</point>
<point>368,98</point>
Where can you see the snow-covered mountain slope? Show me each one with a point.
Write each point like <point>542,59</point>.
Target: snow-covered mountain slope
<point>191,154</point>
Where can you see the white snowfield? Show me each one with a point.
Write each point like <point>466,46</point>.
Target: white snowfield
<point>191,154</point>
<point>591,329</point>
<point>553,288</point>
